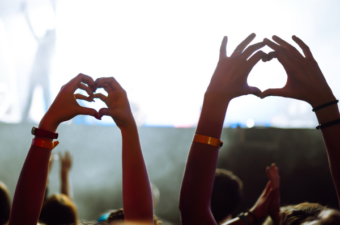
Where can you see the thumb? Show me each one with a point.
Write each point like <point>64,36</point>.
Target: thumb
<point>255,91</point>
<point>274,92</point>
<point>105,112</point>
<point>89,112</point>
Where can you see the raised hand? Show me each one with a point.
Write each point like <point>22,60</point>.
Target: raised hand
<point>274,210</point>
<point>65,106</point>
<point>230,76</point>
<point>118,106</point>
<point>261,207</point>
<point>305,79</point>
<point>65,167</point>
<point>65,162</point>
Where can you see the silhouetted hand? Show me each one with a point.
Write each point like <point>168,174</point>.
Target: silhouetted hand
<point>65,162</point>
<point>230,77</point>
<point>65,106</point>
<point>261,207</point>
<point>274,210</point>
<point>118,106</point>
<point>305,79</point>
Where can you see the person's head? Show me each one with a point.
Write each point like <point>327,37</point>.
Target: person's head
<point>58,209</point>
<point>117,217</point>
<point>226,195</point>
<point>298,214</point>
<point>5,204</point>
<point>307,214</point>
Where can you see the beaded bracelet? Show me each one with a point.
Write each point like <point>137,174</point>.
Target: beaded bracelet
<point>328,124</point>
<point>325,105</point>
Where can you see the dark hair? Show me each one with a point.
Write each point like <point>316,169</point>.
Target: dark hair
<point>58,209</point>
<point>307,212</point>
<point>5,204</point>
<point>118,215</point>
<point>226,195</point>
<point>298,214</point>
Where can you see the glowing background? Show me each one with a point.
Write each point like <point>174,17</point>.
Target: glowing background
<point>164,53</point>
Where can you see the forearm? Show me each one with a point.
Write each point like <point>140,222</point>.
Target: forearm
<point>137,198</point>
<point>331,137</point>
<point>65,184</point>
<point>199,173</point>
<point>30,190</point>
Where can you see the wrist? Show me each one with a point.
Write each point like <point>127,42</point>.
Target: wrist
<point>64,175</point>
<point>128,127</point>
<point>48,124</point>
<point>255,213</point>
<point>322,99</point>
<point>328,114</point>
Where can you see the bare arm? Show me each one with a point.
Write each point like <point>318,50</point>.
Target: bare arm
<point>229,81</point>
<point>66,164</point>
<point>30,190</point>
<point>137,198</point>
<point>307,83</point>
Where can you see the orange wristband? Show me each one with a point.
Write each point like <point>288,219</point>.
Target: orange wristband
<point>208,140</point>
<point>44,144</point>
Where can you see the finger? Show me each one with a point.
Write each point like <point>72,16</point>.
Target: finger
<point>105,112</point>
<point>271,44</point>
<point>101,97</point>
<point>67,155</point>
<point>271,55</point>
<point>89,112</point>
<point>306,51</point>
<point>81,78</point>
<point>267,188</point>
<point>282,42</point>
<point>286,45</point>
<point>274,92</point>
<point>269,173</point>
<point>282,58</point>
<point>60,154</point>
<point>255,58</point>
<point>251,49</point>
<point>239,49</point>
<point>255,91</point>
<point>83,97</point>
<point>223,48</point>
<point>85,88</point>
<point>109,81</point>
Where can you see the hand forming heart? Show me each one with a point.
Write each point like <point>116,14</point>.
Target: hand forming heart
<point>65,106</point>
<point>305,82</point>
<point>116,101</point>
<point>305,79</point>
<point>230,76</point>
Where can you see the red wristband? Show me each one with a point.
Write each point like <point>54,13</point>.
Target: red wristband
<point>44,133</point>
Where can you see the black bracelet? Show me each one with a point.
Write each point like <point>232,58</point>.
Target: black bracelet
<point>325,105</point>
<point>253,215</point>
<point>328,124</point>
<point>244,218</point>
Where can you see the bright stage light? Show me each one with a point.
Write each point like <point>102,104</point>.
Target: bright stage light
<point>164,53</point>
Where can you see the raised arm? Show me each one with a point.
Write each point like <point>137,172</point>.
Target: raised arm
<point>30,190</point>
<point>228,81</point>
<point>137,198</point>
<point>307,83</point>
<point>267,203</point>
<point>65,167</point>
